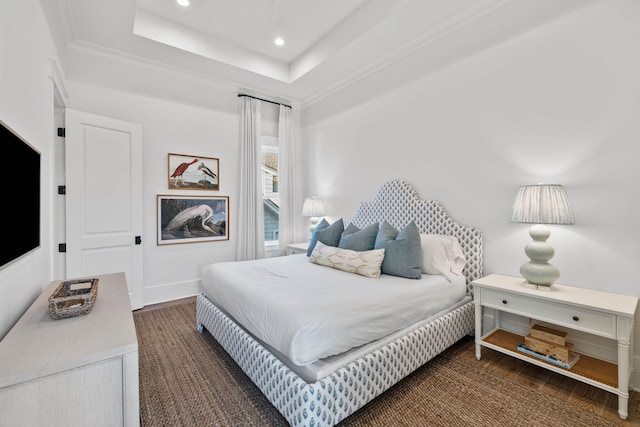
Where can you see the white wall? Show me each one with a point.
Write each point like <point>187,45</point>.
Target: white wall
<point>173,271</point>
<point>26,105</point>
<point>558,104</point>
<point>190,115</point>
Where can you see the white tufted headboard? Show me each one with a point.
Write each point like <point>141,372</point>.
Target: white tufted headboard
<point>398,203</point>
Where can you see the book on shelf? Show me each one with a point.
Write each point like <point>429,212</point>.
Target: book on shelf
<point>568,365</point>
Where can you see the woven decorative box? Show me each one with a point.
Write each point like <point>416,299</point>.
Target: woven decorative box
<point>73,298</point>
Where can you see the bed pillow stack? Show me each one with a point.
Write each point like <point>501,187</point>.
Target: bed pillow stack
<point>349,249</point>
<point>407,253</point>
<point>344,238</point>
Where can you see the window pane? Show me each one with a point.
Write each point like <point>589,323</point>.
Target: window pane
<point>269,170</point>
<point>271,219</point>
<point>270,193</point>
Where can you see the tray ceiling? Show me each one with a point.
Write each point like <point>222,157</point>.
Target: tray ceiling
<point>328,43</point>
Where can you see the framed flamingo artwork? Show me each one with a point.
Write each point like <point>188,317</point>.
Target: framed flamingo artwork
<point>193,172</point>
<point>191,219</point>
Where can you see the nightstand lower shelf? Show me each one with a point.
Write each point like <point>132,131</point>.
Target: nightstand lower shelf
<point>587,368</point>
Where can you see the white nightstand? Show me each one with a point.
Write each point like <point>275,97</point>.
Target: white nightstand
<point>572,309</point>
<point>297,248</point>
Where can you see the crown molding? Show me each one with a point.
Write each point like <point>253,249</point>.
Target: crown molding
<point>56,76</point>
<point>462,18</point>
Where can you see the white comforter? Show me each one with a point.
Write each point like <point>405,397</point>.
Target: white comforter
<point>308,312</point>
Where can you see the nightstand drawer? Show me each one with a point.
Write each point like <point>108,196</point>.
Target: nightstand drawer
<point>297,248</point>
<point>591,321</point>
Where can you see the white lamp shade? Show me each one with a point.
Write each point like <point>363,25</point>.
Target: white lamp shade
<point>542,204</point>
<point>313,207</point>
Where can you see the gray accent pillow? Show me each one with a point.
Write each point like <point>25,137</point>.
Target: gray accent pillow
<point>386,232</point>
<point>350,229</point>
<point>314,236</point>
<point>329,235</point>
<point>360,240</point>
<point>403,255</point>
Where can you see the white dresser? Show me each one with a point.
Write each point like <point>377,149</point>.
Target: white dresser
<point>78,371</point>
<point>594,313</point>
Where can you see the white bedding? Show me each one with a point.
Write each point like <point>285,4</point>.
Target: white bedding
<point>308,312</point>
<point>324,367</point>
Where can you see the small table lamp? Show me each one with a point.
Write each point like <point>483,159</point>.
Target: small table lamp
<point>541,204</point>
<point>313,208</point>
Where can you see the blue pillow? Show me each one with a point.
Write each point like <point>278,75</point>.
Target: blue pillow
<point>329,235</point>
<point>386,232</point>
<point>350,229</point>
<point>314,236</point>
<point>403,255</point>
<point>359,240</point>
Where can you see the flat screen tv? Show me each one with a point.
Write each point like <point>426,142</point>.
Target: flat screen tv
<point>20,207</point>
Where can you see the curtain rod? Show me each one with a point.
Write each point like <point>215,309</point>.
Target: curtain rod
<point>265,100</point>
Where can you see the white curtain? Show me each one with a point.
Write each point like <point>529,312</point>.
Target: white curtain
<point>250,204</point>
<point>286,161</point>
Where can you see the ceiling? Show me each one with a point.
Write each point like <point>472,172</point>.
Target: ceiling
<point>248,27</point>
<point>328,43</point>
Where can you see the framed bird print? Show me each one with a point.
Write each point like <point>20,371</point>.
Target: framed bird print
<point>191,219</point>
<point>193,172</point>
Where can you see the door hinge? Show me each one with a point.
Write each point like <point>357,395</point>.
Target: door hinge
<point>62,189</point>
<point>62,247</point>
<point>61,132</point>
<point>138,240</point>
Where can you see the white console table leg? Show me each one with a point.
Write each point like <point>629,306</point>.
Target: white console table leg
<point>478,308</point>
<point>623,379</point>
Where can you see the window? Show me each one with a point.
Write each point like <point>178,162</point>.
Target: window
<point>271,199</point>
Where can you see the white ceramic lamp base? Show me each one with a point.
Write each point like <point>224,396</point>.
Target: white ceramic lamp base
<point>314,223</point>
<point>538,271</point>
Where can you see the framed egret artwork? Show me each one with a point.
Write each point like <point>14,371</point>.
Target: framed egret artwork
<point>193,172</point>
<point>191,219</point>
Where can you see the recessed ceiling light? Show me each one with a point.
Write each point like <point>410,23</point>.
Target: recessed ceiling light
<point>279,41</point>
<point>184,3</point>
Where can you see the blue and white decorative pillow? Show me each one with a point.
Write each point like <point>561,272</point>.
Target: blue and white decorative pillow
<point>365,263</point>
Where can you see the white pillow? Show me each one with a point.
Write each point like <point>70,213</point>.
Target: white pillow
<point>365,263</point>
<point>441,255</point>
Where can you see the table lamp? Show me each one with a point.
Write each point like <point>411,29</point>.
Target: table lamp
<point>541,204</point>
<point>313,208</point>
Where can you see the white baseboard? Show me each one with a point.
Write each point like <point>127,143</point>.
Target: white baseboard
<point>171,291</point>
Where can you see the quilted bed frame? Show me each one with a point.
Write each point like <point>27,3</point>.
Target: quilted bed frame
<point>331,399</point>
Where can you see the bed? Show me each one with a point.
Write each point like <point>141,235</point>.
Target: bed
<point>321,387</point>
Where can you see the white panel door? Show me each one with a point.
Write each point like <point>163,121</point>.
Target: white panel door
<point>104,198</point>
